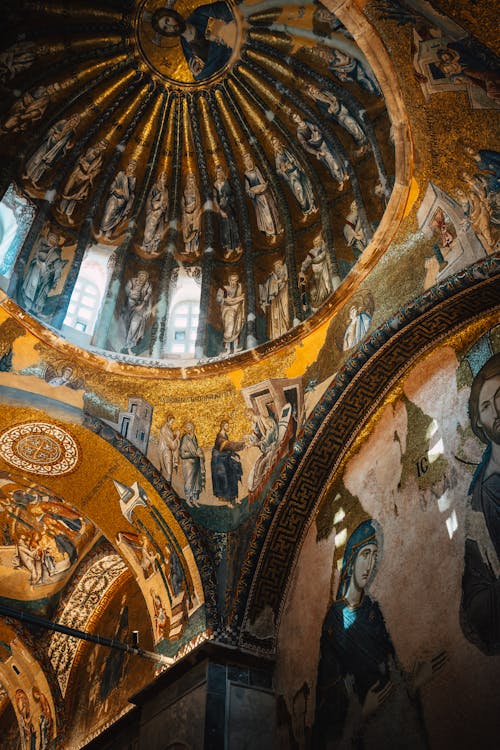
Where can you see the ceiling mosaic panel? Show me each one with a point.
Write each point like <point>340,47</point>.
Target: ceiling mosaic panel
<point>199,178</point>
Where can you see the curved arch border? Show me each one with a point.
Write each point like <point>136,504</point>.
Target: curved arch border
<point>345,409</point>
<point>372,45</point>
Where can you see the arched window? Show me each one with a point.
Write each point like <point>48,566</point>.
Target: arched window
<point>183,315</point>
<point>88,294</point>
<point>84,306</point>
<point>183,327</point>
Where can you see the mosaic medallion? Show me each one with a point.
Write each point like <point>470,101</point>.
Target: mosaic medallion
<point>40,448</point>
<point>192,44</point>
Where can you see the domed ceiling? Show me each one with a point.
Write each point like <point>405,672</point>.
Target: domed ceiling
<point>188,180</point>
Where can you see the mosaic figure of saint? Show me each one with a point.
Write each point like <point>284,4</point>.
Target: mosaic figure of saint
<point>168,448</point>
<point>273,297</point>
<point>354,233</point>
<point>138,293</point>
<point>156,215</point>
<point>333,108</point>
<point>316,273</point>
<point>191,216</point>
<point>120,200</point>
<point>226,465</point>
<point>193,465</point>
<point>289,169</point>
<point>43,274</point>
<point>226,211</point>
<point>57,143</point>
<point>29,108</point>
<point>231,298</point>
<point>312,140</point>
<point>259,192</point>
<point>20,56</point>
<point>82,178</point>
<point>347,68</point>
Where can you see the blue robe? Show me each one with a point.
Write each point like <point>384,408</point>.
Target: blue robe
<point>213,55</point>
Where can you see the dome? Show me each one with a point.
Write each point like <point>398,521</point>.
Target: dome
<point>191,182</point>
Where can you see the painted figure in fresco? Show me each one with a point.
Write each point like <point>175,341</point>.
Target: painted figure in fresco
<point>46,721</point>
<point>226,210</point>
<point>226,466</point>
<point>44,271</point>
<point>82,178</point>
<point>332,108</point>
<point>193,465</point>
<point>316,272</point>
<point>156,215</point>
<point>57,143</point>
<point>231,298</point>
<point>191,216</point>
<point>480,607</point>
<point>273,297</point>
<point>312,140</point>
<point>348,68</point>
<point>207,36</point>
<point>288,168</point>
<point>357,327</point>
<point>363,699</point>
<point>353,231</point>
<point>29,108</point>
<point>28,731</point>
<point>138,292</point>
<point>169,448</point>
<point>120,200</point>
<point>259,192</point>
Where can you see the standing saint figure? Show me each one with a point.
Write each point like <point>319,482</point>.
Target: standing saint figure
<point>231,298</point>
<point>259,192</point>
<point>46,720</point>
<point>156,215</point>
<point>288,168</point>
<point>273,296</point>
<point>191,216</point>
<point>363,697</point>
<point>353,231</point>
<point>333,108</point>
<point>317,266</point>
<point>169,448</point>
<point>480,606</point>
<point>357,327</point>
<point>226,209</point>
<point>29,108</point>
<point>44,271</point>
<point>57,143</point>
<point>120,200</point>
<point>348,68</point>
<point>193,465</point>
<point>312,140</point>
<point>226,466</point>
<point>138,292</point>
<point>82,178</point>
